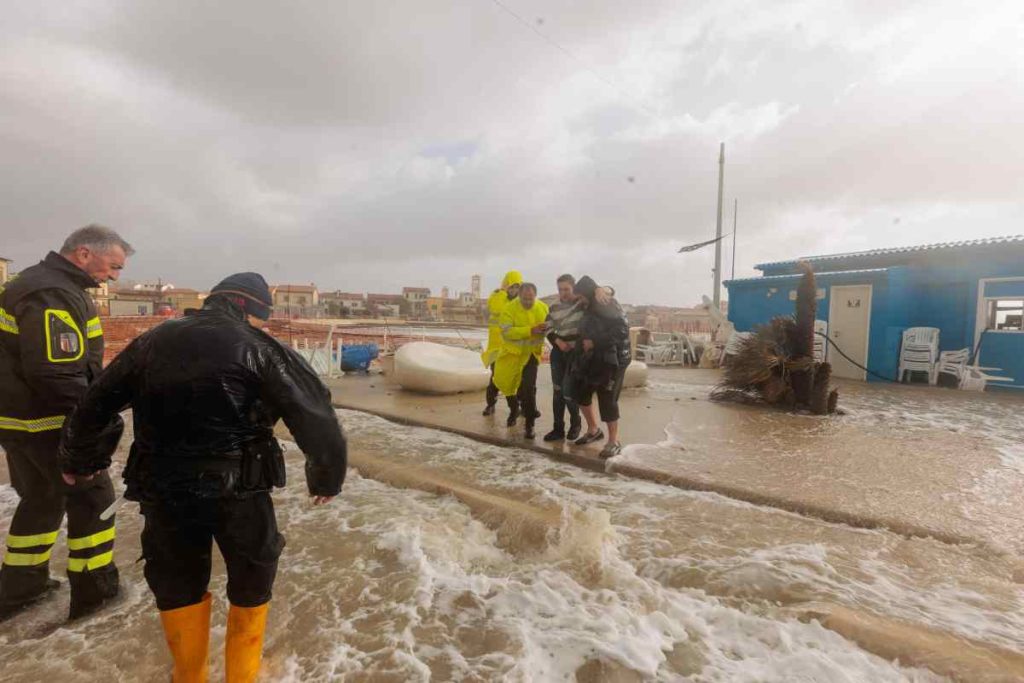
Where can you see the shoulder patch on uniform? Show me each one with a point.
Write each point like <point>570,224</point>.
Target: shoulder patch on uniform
<point>64,341</point>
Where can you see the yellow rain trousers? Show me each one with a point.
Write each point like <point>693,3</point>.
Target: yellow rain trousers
<point>518,344</point>
<point>495,305</point>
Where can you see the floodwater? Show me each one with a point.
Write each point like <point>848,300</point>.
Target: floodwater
<point>922,460</point>
<point>448,559</point>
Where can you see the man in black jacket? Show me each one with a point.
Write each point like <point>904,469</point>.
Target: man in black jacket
<point>51,348</point>
<point>601,363</point>
<point>206,391</point>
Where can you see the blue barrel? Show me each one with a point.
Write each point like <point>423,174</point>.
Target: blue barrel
<point>358,356</point>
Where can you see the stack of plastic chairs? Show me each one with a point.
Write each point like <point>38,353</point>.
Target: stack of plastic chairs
<point>954,363</point>
<point>968,377</point>
<point>919,352</point>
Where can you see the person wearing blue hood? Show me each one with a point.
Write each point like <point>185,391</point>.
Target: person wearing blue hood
<point>600,364</point>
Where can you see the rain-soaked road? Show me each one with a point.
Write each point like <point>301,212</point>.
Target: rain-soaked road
<point>449,559</point>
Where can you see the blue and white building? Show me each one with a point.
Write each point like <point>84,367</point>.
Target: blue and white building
<point>972,291</point>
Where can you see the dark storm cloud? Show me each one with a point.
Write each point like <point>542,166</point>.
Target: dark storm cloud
<point>370,145</point>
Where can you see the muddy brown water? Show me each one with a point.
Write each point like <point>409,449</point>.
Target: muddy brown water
<point>449,559</point>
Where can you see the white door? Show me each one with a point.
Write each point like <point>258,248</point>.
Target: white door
<point>849,322</point>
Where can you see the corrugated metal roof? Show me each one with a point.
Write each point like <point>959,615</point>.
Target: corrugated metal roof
<point>817,276</point>
<point>899,250</point>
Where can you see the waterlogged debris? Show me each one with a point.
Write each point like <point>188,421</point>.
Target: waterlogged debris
<point>775,364</point>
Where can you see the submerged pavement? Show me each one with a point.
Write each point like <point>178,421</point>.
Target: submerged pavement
<point>917,460</point>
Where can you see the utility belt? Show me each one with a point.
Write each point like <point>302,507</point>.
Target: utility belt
<point>255,467</point>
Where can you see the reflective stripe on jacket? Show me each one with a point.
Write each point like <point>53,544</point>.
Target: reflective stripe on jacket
<point>51,345</point>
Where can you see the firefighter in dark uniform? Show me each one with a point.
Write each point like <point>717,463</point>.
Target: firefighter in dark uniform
<point>206,391</point>
<point>51,348</point>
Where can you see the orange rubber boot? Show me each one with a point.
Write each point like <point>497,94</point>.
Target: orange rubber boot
<point>187,631</point>
<point>244,647</point>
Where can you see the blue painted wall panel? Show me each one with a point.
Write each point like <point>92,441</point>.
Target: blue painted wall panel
<point>1004,350</point>
<point>1012,288</point>
<point>932,291</point>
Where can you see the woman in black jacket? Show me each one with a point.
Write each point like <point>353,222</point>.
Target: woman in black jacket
<point>601,362</point>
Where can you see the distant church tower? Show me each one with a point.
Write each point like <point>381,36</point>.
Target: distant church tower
<point>444,292</point>
<point>475,287</point>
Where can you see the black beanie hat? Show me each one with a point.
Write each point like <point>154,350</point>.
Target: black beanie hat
<point>585,287</point>
<point>252,290</point>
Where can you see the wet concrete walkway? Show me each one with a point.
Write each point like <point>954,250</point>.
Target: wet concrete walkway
<point>917,460</point>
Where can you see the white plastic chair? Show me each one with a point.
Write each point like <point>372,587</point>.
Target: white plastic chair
<point>954,363</point>
<point>920,352</point>
<point>975,378</point>
<point>656,354</point>
<point>686,351</point>
<point>667,348</point>
<point>969,377</point>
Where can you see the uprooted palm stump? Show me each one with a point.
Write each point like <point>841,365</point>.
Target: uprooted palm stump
<point>775,365</point>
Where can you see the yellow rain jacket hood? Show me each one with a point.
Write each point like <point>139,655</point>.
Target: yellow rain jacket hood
<point>495,305</point>
<point>518,343</point>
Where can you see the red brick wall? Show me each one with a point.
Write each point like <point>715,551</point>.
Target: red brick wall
<point>119,331</point>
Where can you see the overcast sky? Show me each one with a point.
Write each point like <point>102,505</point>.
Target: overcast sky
<point>371,145</point>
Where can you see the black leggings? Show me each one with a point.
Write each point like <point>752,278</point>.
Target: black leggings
<point>492,391</point>
<point>177,543</point>
<point>607,395</point>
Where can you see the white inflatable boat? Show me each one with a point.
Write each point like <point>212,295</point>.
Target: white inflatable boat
<point>439,369</point>
<point>636,375</point>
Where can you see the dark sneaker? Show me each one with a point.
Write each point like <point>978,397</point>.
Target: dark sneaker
<point>536,414</point>
<point>610,450</point>
<point>489,410</point>
<point>554,435</point>
<point>9,609</point>
<point>589,438</point>
<point>573,433</point>
<point>529,433</point>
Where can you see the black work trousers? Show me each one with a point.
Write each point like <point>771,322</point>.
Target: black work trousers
<point>559,367</point>
<point>525,400</point>
<point>44,499</point>
<point>177,543</point>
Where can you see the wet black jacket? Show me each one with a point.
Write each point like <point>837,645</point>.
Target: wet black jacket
<point>206,391</point>
<point>606,326</point>
<point>51,345</point>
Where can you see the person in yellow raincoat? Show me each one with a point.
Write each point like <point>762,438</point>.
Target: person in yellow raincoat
<point>496,303</point>
<point>515,371</point>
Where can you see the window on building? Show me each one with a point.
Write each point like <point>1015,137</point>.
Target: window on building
<point>302,301</point>
<point>1006,314</point>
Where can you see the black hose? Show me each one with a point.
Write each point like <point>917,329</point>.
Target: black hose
<point>841,353</point>
<point>977,348</point>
